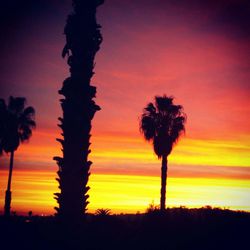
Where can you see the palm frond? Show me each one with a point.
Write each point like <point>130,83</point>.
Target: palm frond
<point>16,123</point>
<point>178,127</point>
<point>25,133</point>
<point>163,103</point>
<point>175,110</point>
<point>103,212</point>
<point>150,109</point>
<point>27,118</point>
<point>29,112</point>
<point>16,104</point>
<point>147,127</point>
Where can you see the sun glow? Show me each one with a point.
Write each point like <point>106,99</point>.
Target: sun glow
<point>33,190</point>
<point>201,172</point>
<point>132,149</point>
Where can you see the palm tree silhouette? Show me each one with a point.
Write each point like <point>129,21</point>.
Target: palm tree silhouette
<point>83,39</point>
<point>163,123</point>
<point>16,124</point>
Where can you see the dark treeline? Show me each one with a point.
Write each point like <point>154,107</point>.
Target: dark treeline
<point>177,228</point>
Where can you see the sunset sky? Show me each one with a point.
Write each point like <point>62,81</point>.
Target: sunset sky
<point>197,51</point>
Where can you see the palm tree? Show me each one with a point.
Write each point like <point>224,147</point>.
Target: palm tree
<point>16,124</point>
<point>83,39</point>
<point>162,123</point>
<point>102,212</point>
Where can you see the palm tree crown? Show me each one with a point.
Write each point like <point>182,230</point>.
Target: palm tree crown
<point>16,123</point>
<point>162,123</point>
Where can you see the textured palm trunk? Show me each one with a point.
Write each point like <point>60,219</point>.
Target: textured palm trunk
<point>164,169</point>
<point>8,191</point>
<point>83,39</point>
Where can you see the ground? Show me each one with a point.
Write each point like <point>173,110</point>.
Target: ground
<point>177,228</point>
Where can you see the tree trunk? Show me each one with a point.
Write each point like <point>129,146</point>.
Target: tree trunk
<point>8,192</point>
<point>83,39</point>
<point>163,182</point>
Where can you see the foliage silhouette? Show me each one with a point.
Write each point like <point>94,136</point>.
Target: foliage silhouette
<point>103,212</point>
<point>16,124</point>
<point>152,208</point>
<point>176,229</point>
<point>162,123</point>
<point>83,39</point>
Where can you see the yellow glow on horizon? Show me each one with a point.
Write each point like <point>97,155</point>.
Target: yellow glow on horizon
<point>134,150</point>
<point>33,190</point>
<point>188,152</point>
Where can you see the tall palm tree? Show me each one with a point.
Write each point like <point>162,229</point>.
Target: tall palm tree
<point>162,122</point>
<point>83,39</point>
<point>16,124</point>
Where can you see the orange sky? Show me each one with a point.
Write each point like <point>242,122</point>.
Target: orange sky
<point>149,48</point>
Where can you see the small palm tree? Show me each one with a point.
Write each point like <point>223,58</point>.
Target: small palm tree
<point>103,212</point>
<point>16,124</point>
<point>162,123</point>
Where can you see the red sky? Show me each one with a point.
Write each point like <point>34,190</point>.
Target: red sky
<point>197,52</point>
